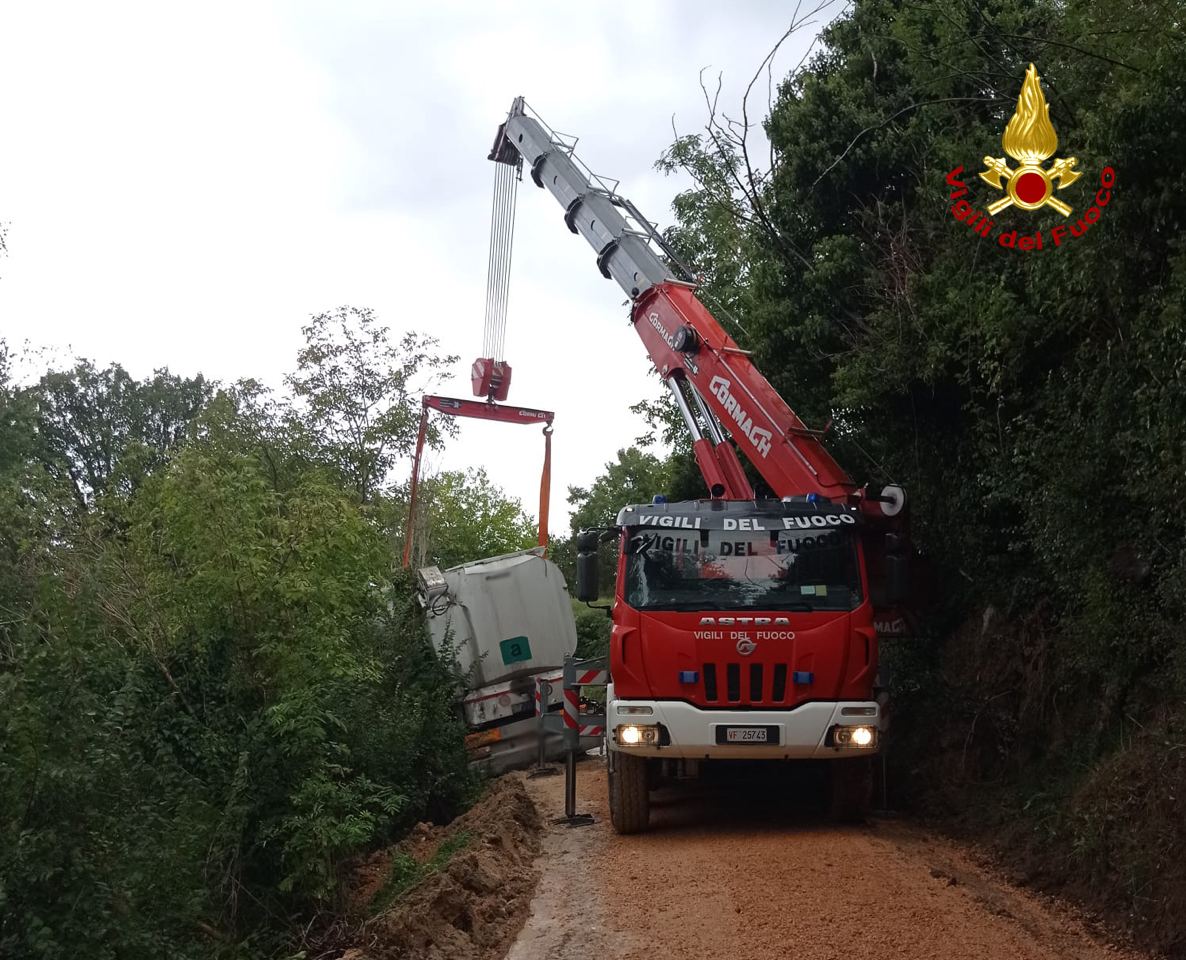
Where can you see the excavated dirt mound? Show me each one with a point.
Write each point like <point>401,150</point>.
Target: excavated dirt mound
<point>464,889</point>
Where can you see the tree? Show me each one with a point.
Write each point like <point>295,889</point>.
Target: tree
<point>1032,403</point>
<point>207,672</point>
<point>469,517</point>
<point>361,392</point>
<point>635,477</point>
<point>102,431</point>
<point>30,508</point>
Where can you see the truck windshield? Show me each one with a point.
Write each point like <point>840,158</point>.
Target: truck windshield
<point>724,570</point>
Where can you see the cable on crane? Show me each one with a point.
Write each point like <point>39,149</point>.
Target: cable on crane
<point>498,271</point>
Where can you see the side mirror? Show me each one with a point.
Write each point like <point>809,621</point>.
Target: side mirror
<point>897,577</point>
<point>587,568</point>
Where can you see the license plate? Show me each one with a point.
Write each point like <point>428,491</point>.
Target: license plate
<point>747,734</point>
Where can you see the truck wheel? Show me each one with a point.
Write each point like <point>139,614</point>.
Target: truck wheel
<point>629,796</point>
<point>851,789</point>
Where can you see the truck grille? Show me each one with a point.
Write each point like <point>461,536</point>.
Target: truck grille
<point>764,687</point>
<point>780,682</point>
<point>733,682</point>
<point>710,681</point>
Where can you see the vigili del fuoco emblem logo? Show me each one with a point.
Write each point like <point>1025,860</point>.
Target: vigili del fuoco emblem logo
<point>1030,140</point>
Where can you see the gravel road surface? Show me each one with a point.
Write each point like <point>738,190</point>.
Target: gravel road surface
<point>736,874</point>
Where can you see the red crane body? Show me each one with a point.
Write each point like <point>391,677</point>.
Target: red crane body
<point>686,343</point>
<point>785,452</point>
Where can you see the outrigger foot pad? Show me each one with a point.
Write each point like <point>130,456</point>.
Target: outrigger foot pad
<point>576,820</point>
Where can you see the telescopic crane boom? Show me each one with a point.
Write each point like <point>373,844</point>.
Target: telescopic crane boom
<point>691,350</point>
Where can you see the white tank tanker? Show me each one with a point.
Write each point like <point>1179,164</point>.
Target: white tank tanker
<point>504,621</point>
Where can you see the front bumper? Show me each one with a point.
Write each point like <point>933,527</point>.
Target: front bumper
<point>515,746</point>
<point>691,733</point>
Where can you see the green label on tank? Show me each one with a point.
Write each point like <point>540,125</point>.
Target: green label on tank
<point>515,650</point>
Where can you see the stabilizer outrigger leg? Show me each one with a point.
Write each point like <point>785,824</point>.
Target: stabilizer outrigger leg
<point>578,674</point>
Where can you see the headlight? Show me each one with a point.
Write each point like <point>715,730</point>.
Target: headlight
<point>634,734</point>
<point>854,738</point>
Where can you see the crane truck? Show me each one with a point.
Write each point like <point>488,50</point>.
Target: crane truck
<point>743,627</point>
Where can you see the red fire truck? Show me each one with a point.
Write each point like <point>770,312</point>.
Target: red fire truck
<point>743,627</point>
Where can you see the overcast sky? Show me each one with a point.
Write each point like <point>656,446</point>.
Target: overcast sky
<point>185,184</point>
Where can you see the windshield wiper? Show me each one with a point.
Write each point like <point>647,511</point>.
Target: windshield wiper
<point>680,605</point>
<point>723,605</point>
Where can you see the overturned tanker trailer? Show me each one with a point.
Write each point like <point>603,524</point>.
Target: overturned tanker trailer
<point>505,622</point>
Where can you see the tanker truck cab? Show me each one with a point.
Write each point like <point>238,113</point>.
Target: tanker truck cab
<point>742,630</point>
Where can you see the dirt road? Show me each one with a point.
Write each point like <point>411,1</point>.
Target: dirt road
<point>726,876</point>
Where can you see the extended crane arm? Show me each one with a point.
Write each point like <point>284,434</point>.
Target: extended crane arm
<point>688,347</point>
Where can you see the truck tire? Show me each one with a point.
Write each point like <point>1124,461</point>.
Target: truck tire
<point>629,793</point>
<point>850,789</point>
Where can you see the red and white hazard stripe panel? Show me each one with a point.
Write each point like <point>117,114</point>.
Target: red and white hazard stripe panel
<point>593,677</point>
<point>572,709</point>
<point>572,716</point>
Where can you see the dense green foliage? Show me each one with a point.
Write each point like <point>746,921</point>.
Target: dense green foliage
<point>593,629</point>
<point>1031,402</point>
<point>634,477</point>
<point>103,432</point>
<point>214,685</point>
<point>467,516</point>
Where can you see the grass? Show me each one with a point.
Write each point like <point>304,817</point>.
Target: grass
<point>408,873</point>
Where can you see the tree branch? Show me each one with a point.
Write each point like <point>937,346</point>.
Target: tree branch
<point>890,119</point>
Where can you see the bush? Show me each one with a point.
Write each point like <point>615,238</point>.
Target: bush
<point>593,627</point>
<point>220,694</point>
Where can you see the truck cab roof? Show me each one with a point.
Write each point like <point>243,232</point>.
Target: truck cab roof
<point>724,514</point>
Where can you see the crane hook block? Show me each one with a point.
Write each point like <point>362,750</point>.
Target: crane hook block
<point>491,378</point>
